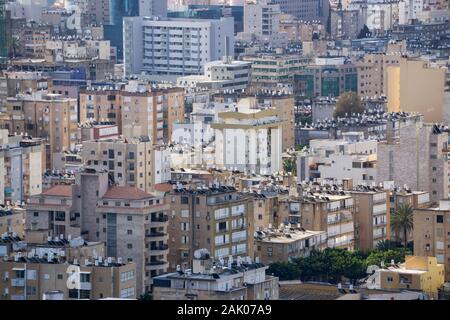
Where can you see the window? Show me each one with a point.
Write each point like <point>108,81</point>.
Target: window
<point>390,279</point>
<point>184,200</point>
<point>439,219</point>
<point>129,232</point>
<point>36,214</point>
<point>129,246</point>
<point>129,218</point>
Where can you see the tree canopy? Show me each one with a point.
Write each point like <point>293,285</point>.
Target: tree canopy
<point>331,265</point>
<point>348,103</point>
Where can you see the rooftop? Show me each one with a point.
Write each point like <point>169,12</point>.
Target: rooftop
<point>59,191</point>
<point>127,193</point>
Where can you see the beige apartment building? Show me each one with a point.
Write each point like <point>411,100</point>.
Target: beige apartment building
<point>137,109</point>
<point>281,245</point>
<point>22,161</point>
<point>132,222</point>
<point>285,104</point>
<point>47,116</point>
<point>101,104</point>
<point>373,68</point>
<point>324,210</point>
<point>372,216</point>
<point>431,233</point>
<point>12,221</point>
<point>416,199</point>
<point>127,160</point>
<point>50,278</point>
<point>216,218</point>
<point>416,86</point>
<point>417,273</point>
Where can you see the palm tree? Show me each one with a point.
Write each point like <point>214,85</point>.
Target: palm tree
<point>402,219</point>
<point>289,165</point>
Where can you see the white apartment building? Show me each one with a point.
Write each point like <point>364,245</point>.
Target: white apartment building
<point>262,21</point>
<point>349,158</point>
<point>21,163</point>
<point>249,139</point>
<point>166,49</point>
<point>221,75</point>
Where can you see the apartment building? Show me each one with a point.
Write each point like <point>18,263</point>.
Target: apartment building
<point>249,139</point>
<point>372,216</point>
<point>423,274</point>
<point>270,70</point>
<point>323,208</point>
<point>36,278</point>
<point>285,103</point>
<point>431,232</point>
<point>262,23</point>
<point>417,158</point>
<point>52,211</point>
<point>416,86</point>
<point>237,280</point>
<point>22,160</point>
<point>217,218</point>
<point>48,116</point>
<point>351,157</point>
<point>137,108</point>
<point>171,47</point>
<point>132,222</point>
<point>401,196</point>
<point>12,221</point>
<point>129,161</point>
<point>226,74</point>
<point>281,245</point>
<point>266,204</point>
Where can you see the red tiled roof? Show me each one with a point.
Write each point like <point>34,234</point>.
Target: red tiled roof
<point>126,193</point>
<point>163,187</point>
<point>59,191</point>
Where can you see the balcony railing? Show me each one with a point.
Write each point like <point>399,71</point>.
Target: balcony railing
<point>161,247</point>
<point>155,234</point>
<point>160,219</point>
<point>155,263</point>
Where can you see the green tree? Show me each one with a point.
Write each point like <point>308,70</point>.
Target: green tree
<point>146,296</point>
<point>284,270</point>
<point>402,220</point>
<point>398,255</point>
<point>348,103</point>
<point>289,165</point>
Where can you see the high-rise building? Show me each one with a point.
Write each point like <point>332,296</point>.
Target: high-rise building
<point>168,48</point>
<point>306,10</point>
<point>118,9</point>
<point>217,218</point>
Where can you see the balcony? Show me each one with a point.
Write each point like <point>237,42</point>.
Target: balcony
<point>164,218</point>
<point>158,250</point>
<point>157,236</point>
<point>156,265</point>
<point>18,282</point>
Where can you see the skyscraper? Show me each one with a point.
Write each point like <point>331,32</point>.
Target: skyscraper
<point>114,31</point>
